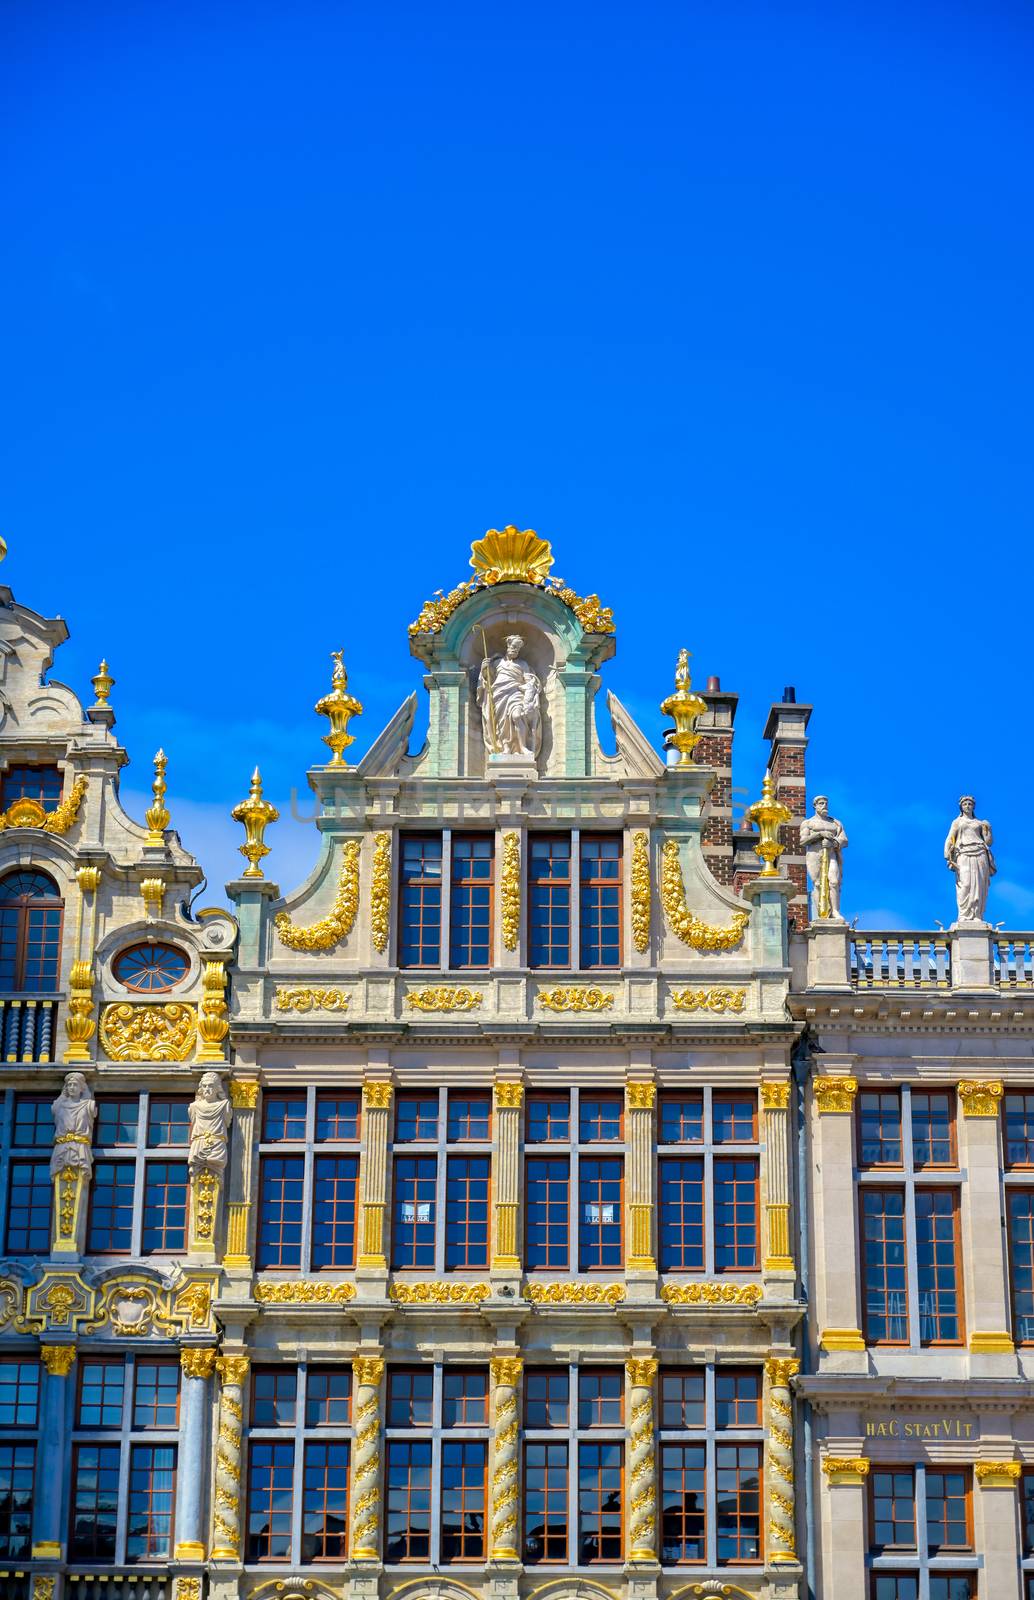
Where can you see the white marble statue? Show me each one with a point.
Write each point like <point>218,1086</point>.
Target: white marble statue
<point>510,697</point>
<point>210,1114</point>
<point>967,850</point>
<point>74,1112</point>
<point>824,842</point>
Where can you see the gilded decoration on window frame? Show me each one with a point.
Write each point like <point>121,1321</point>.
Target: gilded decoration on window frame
<point>380,891</point>
<point>510,878</point>
<point>28,813</point>
<point>641,891</point>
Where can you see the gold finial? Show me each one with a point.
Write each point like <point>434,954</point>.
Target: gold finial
<point>339,706</point>
<point>103,684</point>
<point>685,707</point>
<point>768,813</point>
<point>256,814</point>
<point>157,816</point>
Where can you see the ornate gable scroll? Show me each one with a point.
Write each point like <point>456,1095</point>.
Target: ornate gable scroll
<point>687,927</point>
<point>325,934</point>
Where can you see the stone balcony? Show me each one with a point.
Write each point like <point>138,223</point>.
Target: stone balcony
<point>982,962</point>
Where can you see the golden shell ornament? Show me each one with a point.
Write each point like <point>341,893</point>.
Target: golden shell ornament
<point>509,556</point>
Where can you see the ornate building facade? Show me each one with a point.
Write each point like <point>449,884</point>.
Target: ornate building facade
<point>537,1199</point>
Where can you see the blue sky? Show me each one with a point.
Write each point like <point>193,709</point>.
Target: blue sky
<point>731,302</point>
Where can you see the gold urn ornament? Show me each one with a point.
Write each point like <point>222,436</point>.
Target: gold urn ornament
<point>103,683</point>
<point>684,707</point>
<point>255,814</point>
<point>769,814</point>
<point>340,707</point>
<point>157,816</point>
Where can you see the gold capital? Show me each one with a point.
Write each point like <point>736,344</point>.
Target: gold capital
<point>58,1359</point>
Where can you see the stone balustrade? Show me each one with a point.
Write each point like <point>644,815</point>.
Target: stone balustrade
<point>836,956</point>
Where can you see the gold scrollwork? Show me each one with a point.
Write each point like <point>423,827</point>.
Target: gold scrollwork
<point>304,1294</point>
<point>327,931</point>
<point>717,1000</point>
<point>442,997</point>
<point>510,877</point>
<point>980,1099</point>
<point>28,813</point>
<point>641,890</point>
<point>641,1095</point>
<point>380,891</point>
<point>998,1474</point>
<point>711,1294</point>
<point>148,1032</point>
<point>509,1096</point>
<point>834,1094</point>
<point>683,923</point>
<point>440,1294</point>
<point>311,1000</point>
<point>575,997</point>
<point>576,1294</point>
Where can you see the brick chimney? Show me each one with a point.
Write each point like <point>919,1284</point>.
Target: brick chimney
<point>787,733</point>
<point>715,726</point>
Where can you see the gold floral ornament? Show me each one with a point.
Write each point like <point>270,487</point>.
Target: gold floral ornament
<point>711,1294</point>
<point>324,934</point>
<point>575,997</point>
<point>148,1032</point>
<point>770,814</point>
<point>576,1294</point>
<point>717,1000</point>
<point>439,1294</point>
<point>303,1000</point>
<point>380,891</point>
<point>511,889</point>
<point>445,998</point>
<point>28,813</point>
<point>304,1294</point>
<point>157,814</point>
<point>683,923</point>
<point>255,814</point>
<point>340,707</point>
<point>684,707</point>
<point>510,555</point>
<point>641,890</point>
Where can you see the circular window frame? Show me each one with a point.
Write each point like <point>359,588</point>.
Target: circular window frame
<point>152,944</point>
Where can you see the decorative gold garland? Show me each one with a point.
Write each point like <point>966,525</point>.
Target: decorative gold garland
<point>28,813</point>
<point>380,891</point>
<point>325,933</point>
<point>593,615</point>
<point>687,927</point>
<point>511,882</point>
<point>641,890</point>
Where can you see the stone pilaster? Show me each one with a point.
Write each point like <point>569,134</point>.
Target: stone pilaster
<point>983,1242</point>
<point>244,1096</point>
<point>506,1378</point>
<point>781,1542</point>
<point>845,1528</point>
<point>226,1514</point>
<point>198,1364</point>
<point>639,1103</point>
<point>509,1097</point>
<point>834,1214</point>
<point>205,1190</point>
<point>71,1188</point>
<point>775,1099</point>
<point>47,1523</point>
<point>642,1460</point>
<point>368,1373</point>
<point>374,1172</point>
<point>997,1529</point>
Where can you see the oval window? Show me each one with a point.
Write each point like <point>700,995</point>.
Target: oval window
<point>149,968</point>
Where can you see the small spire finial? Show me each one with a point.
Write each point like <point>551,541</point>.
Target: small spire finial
<point>256,814</point>
<point>157,815</point>
<point>103,683</point>
<point>339,706</point>
<point>684,707</point>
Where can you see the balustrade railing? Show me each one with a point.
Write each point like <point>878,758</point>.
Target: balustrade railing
<point>127,1585</point>
<point>1013,958</point>
<point>900,961</point>
<point>28,1029</point>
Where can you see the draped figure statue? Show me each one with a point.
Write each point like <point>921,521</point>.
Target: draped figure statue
<point>967,851</point>
<point>74,1112</point>
<point>510,695</point>
<point>210,1113</point>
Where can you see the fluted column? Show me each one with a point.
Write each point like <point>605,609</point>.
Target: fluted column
<point>779,1478</point>
<point>47,1526</point>
<point>374,1172</point>
<point>198,1364</point>
<point>642,1460</point>
<point>506,1378</point>
<point>775,1098</point>
<point>368,1372</point>
<point>640,1097</point>
<point>506,1177</point>
<point>226,1515</point>
<point>244,1093</point>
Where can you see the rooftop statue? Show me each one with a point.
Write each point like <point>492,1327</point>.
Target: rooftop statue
<point>967,850</point>
<point>509,694</point>
<point>824,842</point>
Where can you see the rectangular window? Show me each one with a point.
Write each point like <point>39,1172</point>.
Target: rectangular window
<point>413,1229</point>
<point>600,1119</point>
<point>736,1229</point>
<point>599,900</point>
<point>464,1471</point>
<point>42,784</point>
<point>28,1209</point>
<point>546,1397</point>
<point>33,1122</point>
<point>410,1397</point>
<point>681,1185</point>
<point>879,1128</point>
<point>283,1118</point>
<point>152,1489</point>
<point>884,1273</point>
<point>165,1207</point>
<point>738,1502</point>
<point>734,1118</point>
<point>682,1119</point>
<point>17,1484</point>
<point>337,1117</point>
<point>274,1397</point>
<point>270,1500</point>
<point>1019,1129</point>
<point>95,1476</point>
<point>737,1397</point>
<point>335,1200</point>
<point>470,901</point>
<point>600,1194</point>
<point>470,1117</point>
<point>937,1266</point>
<point>682,1400</point>
<point>947,1512</point>
<point>683,1503</point>
<point>548,1120</point>
<point>712,1484</point>
<point>118,1120</point>
<point>464,1398</point>
<point>420,897</point>
<point>545,1501</point>
<point>933,1128</point>
<point>892,1497</point>
<point>156,1399</point>
<point>466,1212</point>
<point>328,1397</point>
<point>110,1227</point>
<point>325,1501</point>
<point>600,1502</point>
<point>547,1221</point>
<point>19,1394</point>
<point>281,1196</point>
<point>102,1389</point>
<point>407,1533</point>
<point>601,1397</point>
<point>168,1122</point>
<point>549,900</point>
<point>416,1118</point>
<point>1027,1511</point>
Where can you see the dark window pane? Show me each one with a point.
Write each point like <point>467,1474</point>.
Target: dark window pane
<point>328,1397</point>
<point>157,1394</point>
<point>407,1528</point>
<point>546,1398</point>
<point>947,1511</point>
<point>464,1398</point>
<point>165,1206</point>
<point>17,1485</point>
<point>600,1119</point>
<point>933,1128</point>
<point>337,1116</point>
<point>118,1118</point>
<point>281,1193</point>
<point>600,1199</point>
<point>734,1119</point>
<point>168,1122</point>
<point>601,1397</point>
<point>738,1502</point>
<point>681,1186</point>
<point>883,1266</point>
<point>110,1227</point>
<point>19,1394</point>
<point>283,1118</point>
<point>599,900</point>
<point>335,1199</point>
<point>682,1399</point>
<point>466,1212</point>
<point>1019,1129</point>
<point>470,901</point>
<point>33,1122</point>
<point>416,1118</point>
<point>879,1128</point>
<point>152,1486</point>
<point>682,1119</point>
<point>893,1498</point>
<point>274,1397</point>
<point>420,897</point>
<point>95,1479</point>
<point>545,1501</point>
<point>470,1116</point>
<point>28,1208</point>
<point>150,968</point>
<point>325,1501</point>
<point>548,1120</point>
<point>683,1502</point>
<point>413,1219</point>
<point>464,1469</point>
<point>410,1397</point>
<point>546,1198</point>
<point>549,900</point>
<point>270,1501</point>
<point>600,1502</point>
<point>102,1388</point>
<point>737,1393</point>
<point>940,1319</point>
<point>736,1244</point>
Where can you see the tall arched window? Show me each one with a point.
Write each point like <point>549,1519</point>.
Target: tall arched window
<point>30,933</point>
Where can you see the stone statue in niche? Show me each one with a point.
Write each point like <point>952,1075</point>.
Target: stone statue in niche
<point>74,1112</point>
<point>824,841</point>
<point>210,1114</point>
<point>967,850</point>
<point>510,696</point>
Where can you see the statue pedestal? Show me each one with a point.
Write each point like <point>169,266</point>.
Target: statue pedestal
<point>504,766</point>
<point>971,966</point>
